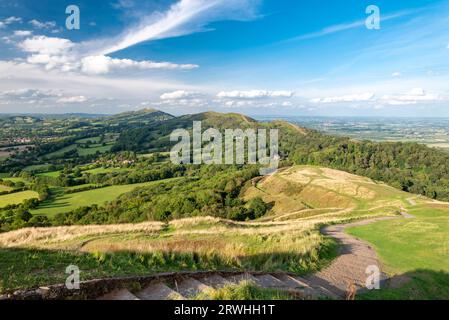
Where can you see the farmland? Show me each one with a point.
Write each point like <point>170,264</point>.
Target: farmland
<point>16,198</point>
<point>68,202</point>
<point>288,238</point>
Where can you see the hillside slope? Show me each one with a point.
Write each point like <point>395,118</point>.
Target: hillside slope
<point>306,191</point>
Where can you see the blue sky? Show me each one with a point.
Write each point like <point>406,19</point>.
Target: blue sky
<point>260,57</point>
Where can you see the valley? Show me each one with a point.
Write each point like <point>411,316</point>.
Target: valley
<point>126,211</point>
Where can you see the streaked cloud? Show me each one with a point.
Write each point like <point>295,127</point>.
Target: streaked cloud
<point>42,24</point>
<point>345,98</point>
<point>255,94</point>
<point>182,18</point>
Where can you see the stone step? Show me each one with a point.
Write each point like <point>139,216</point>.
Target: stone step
<point>215,281</point>
<point>291,281</point>
<point>303,282</point>
<point>269,281</point>
<point>158,291</point>
<point>236,279</point>
<point>121,294</point>
<point>336,292</point>
<point>326,293</point>
<point>190,287</point>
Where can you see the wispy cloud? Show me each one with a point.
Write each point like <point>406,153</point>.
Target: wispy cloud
<point>345,26</point>
<point>182,18</point>
<point>255,94</point>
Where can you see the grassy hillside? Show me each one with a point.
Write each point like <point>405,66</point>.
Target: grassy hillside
<point>303,198</point>
<point>288,239</point>
<point>307,191</point>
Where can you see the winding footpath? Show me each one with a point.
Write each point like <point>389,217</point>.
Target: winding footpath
<point>355,261</point>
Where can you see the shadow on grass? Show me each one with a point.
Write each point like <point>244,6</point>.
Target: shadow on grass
<point>30,268</point>
<point>420,284</point>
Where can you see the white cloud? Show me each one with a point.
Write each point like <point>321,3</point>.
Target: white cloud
<point>182,18</point>
<point>10,20</point>
<point>38,97</point>
<point>26,93</point>
<point>42,25</point>
<point>179,94</point>
<point>104,64</point>
<point>396,74</point>
<point>255,94</point>
<point>22,33</point>
<point>414,96</point>
<point>346,98</point>
<point>47,45</point>
<point>59,53</point>
<point>74,99</point>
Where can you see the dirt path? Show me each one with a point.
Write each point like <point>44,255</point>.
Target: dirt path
<point>355,257</point>
<point>348,269</point>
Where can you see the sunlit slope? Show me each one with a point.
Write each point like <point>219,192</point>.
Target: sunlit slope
<point>304,191</point>
<point>288,238</point>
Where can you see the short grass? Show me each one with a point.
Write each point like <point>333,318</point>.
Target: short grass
<point>413,249</point>
<point>60,152</point>
<point>15,180</point>
<point>51,174</point>
<point>94,149</point>
<point>16,198</point>
<point>69,202</point>
<point>245,290</point>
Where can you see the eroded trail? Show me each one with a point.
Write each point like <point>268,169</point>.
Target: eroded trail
<point>355,257</point>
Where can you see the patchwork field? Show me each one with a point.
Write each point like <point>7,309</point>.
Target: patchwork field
<point>69,202</point>
<point>303,199</point>
<point>16,198</point>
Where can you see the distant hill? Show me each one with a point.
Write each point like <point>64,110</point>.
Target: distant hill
<point>410,167</point>
<point>157,136</point>
<point>141,117</point>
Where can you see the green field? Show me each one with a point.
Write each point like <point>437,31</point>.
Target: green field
<point>93,140</point>
<point>69,202</point>
<point>4,188</point>
<point>414,250</point>
<point>51,174</point>
<point>93,149</point>
<point>15,180</point>
<point>38,167</point>
<point>17,198</point>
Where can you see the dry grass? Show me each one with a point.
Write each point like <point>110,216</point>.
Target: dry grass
<point>304,199</point>
<point>44,236</point>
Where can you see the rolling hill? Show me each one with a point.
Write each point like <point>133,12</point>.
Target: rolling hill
<point>304,198</point>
